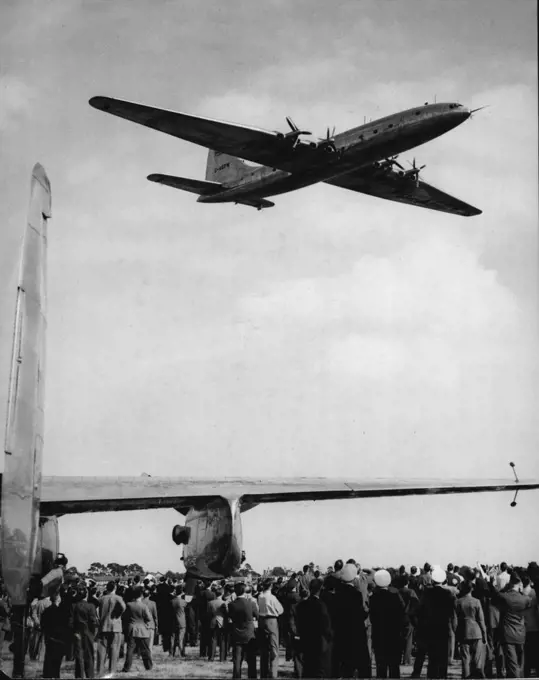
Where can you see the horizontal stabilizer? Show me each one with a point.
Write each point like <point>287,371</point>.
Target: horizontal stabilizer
<point>195,186</point>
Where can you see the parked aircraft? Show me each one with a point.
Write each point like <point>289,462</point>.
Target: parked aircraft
<point>31,504</point>
<point>362,159</point>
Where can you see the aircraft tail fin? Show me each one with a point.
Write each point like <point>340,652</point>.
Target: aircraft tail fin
<point>225,169</point>
<point>21,480</point>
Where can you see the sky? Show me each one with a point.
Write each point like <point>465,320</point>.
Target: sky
<point>333,335</point>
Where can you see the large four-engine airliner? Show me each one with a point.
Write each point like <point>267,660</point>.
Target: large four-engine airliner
<point>362,159</point>
<point>31,504</point>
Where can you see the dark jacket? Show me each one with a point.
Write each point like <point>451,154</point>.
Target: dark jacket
<point>436,613</point>
<point>56,624</point>
<point>84,619</point>
<point>242,612</point>
<point>411,603</point>
<point>386,611</point>
<point>313,624</point>
<point>205,597</point>
<point>315,637</point>
<point>350,615</point>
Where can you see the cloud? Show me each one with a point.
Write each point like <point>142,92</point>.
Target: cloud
<point>16,99</point>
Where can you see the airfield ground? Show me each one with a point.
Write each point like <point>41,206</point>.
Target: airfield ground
<point>191,667</point>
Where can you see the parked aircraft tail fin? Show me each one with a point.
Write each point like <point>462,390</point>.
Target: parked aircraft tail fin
<point>225,169</point>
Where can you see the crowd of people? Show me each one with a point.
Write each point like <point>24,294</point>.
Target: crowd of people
<point>332,625</point>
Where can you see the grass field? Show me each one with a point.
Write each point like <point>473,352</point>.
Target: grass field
<point>191,667</point>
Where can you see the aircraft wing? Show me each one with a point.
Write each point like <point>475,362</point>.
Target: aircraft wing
<point>393,188</point>
<point>250,143</point>
<point>66,495</point>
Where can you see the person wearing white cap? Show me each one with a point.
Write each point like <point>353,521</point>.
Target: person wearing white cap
<point>437,616</point>
<point>387,618</point>
<point>350,649</point>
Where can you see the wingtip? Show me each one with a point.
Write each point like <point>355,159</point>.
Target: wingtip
<point>100,103</point>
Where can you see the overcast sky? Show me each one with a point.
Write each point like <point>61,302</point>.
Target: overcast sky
<point>333,335</point>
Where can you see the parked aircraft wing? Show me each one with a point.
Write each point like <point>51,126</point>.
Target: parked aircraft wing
<point>394,188</point>
<point>66,495</point>
<point>250,143</point>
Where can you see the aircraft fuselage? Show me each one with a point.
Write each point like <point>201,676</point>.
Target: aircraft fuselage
<point>354,149</point>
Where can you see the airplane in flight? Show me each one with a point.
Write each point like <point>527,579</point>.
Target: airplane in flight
<point>362,159</point>
<point>31,503</point>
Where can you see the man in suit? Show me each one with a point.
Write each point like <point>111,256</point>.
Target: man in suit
<point>163,601</point>
<point>411,602</point>
<point>315,633</point>
<point>111,607</point>
<point>438,618</point>
<point>179,605</point>
<point>152,608</point>
<point>138,620</point>
<point>291,611</point>
<point>512,604</point>
<point>350,637</point>
<point>386,610</point>
<point>56,625</point>
<point>471,632</point>
<point>218,614</point>
<point>84,629</point>
<point>205,597</point>
<point>242,612</point>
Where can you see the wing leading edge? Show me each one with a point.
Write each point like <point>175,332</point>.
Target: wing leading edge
<point>250,143</point>
<point>67,495</point>
<point>393,188</point>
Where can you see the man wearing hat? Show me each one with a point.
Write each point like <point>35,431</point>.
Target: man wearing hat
<point>438,618</point>
<point>387,617</point>
<point>512,604</point>
<point>351,652</point>
<point>471,632</point>
<point>315,633</point>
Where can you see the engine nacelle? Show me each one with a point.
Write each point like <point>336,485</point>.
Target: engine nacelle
<point>181,535</point>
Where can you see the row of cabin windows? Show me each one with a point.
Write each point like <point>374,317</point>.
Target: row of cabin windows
<point>375,131</point>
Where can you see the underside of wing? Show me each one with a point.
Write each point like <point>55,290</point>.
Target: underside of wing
<point>391,186</point>
<point>66,495</point>
<point>250,143</point>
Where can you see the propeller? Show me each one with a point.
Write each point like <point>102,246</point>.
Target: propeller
<point>391,161</point>
<point>414,171</point>
<point>294,133</point>
<point>328,142</point>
